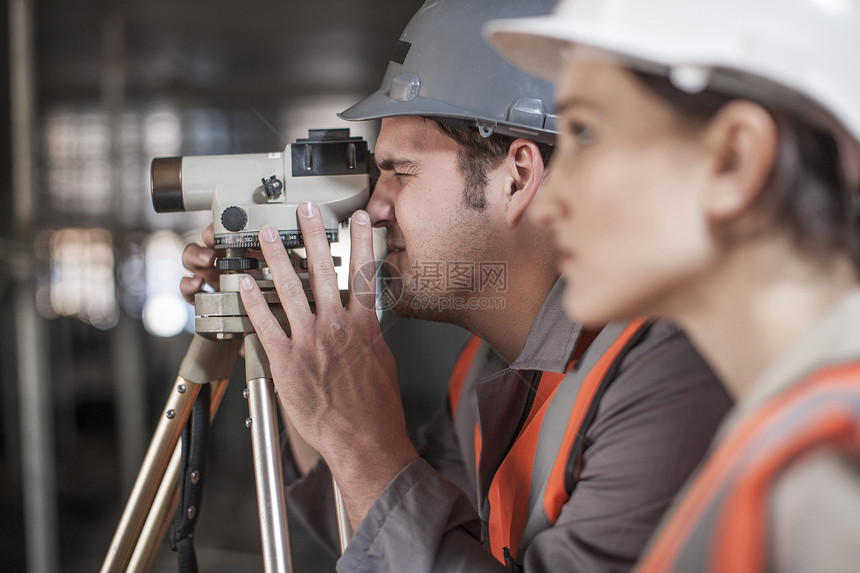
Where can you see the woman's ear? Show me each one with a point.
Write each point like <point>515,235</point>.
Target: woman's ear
<point>743,140</point>
<point>524,177</point>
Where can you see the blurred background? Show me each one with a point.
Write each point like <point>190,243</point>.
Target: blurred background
<point>94,327</point>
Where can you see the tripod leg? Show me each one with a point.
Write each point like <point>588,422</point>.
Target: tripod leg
<point>268,470</point>
<point>164,441</point>
<point>205,360</point>
<point>158,522</point>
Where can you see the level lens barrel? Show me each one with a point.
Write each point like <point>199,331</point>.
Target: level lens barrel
<point>166,184</point>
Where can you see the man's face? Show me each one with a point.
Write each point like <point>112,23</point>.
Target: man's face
<point>434,239</point>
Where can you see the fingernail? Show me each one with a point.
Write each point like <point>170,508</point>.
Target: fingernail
<point>361,217</point>
<point>308,209</point>
<point>246,283</point>
<point>268,234</point>
<point>205,257</point>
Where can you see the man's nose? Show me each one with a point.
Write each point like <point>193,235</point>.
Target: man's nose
<point>381,205</point>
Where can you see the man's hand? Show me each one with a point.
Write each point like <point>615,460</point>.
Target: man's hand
<point>334,374</point>
<point>200,260</point>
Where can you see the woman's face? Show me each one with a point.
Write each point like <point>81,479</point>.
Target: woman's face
<point>624,197</point>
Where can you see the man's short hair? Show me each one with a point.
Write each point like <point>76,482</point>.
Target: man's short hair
<point>479,155</point>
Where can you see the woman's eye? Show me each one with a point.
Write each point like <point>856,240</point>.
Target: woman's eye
<point>581,134</point>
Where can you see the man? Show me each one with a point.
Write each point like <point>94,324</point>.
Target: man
<point>558,448</point>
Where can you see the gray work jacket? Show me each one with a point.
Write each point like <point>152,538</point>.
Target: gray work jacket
<point>815,502</point>
<point>653,425</point>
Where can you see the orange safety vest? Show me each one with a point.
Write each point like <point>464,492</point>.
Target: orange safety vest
<point>721,526</point>
<point>539,472</point>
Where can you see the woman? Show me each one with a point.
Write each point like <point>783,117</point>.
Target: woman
<point>707,172</point>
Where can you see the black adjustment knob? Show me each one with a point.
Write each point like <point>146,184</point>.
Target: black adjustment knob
<point>272,187</point>
<point>236,264</point>
<point>234,218</point>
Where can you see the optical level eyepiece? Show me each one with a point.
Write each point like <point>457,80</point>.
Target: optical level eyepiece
<point>166,184</point>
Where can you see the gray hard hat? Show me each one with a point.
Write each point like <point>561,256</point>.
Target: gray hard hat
<point>442,67</point>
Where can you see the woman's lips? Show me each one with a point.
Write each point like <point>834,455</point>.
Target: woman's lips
<point>563,258</point>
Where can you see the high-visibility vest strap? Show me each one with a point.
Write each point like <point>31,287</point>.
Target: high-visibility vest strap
<point>582,406</point>
<point>524,498</point>
<point>722,524</point>
<point>466,371</point>
<point>509,493</point>
<point>465,363</point>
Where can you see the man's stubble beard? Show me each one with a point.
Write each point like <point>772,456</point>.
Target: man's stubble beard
<point>414,300</point>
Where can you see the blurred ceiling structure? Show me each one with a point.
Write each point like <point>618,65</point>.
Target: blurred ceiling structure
<point>258,52</point>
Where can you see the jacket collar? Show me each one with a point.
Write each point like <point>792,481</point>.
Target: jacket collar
<point>552,338</point>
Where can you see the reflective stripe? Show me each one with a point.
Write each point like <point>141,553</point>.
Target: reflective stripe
<point>554,428</point>
<point>510,491</point>
<point>465,364</point>
<point>466,372</point>
<point>742,529</point>
<point>721,525</point>
<point>559,486</point>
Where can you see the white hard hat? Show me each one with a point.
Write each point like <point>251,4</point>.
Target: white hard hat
<point>443,68</point>
<point>811,47</point>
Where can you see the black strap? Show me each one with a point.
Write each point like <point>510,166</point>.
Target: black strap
<point>195,444</point>
<point>512,565</point>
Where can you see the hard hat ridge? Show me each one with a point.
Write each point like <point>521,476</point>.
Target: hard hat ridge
<point>442,67</point>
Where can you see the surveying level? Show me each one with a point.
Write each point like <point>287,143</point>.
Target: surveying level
<point>245,192</point>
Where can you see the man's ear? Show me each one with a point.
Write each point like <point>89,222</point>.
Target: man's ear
<point>743,140</point>
<point>524,177</point>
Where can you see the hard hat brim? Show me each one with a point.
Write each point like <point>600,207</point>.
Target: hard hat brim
<point>533,44</point>
<point>537,44</point>
<point>378,105</point>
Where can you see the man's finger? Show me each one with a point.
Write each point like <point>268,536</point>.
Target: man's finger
<point>208,236</point>
<point>198,258</point>
<point>272,336</point>
<point>320,265</point>
<point>189,286</point>
<point>362,266</point>
<point>287,283</point>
